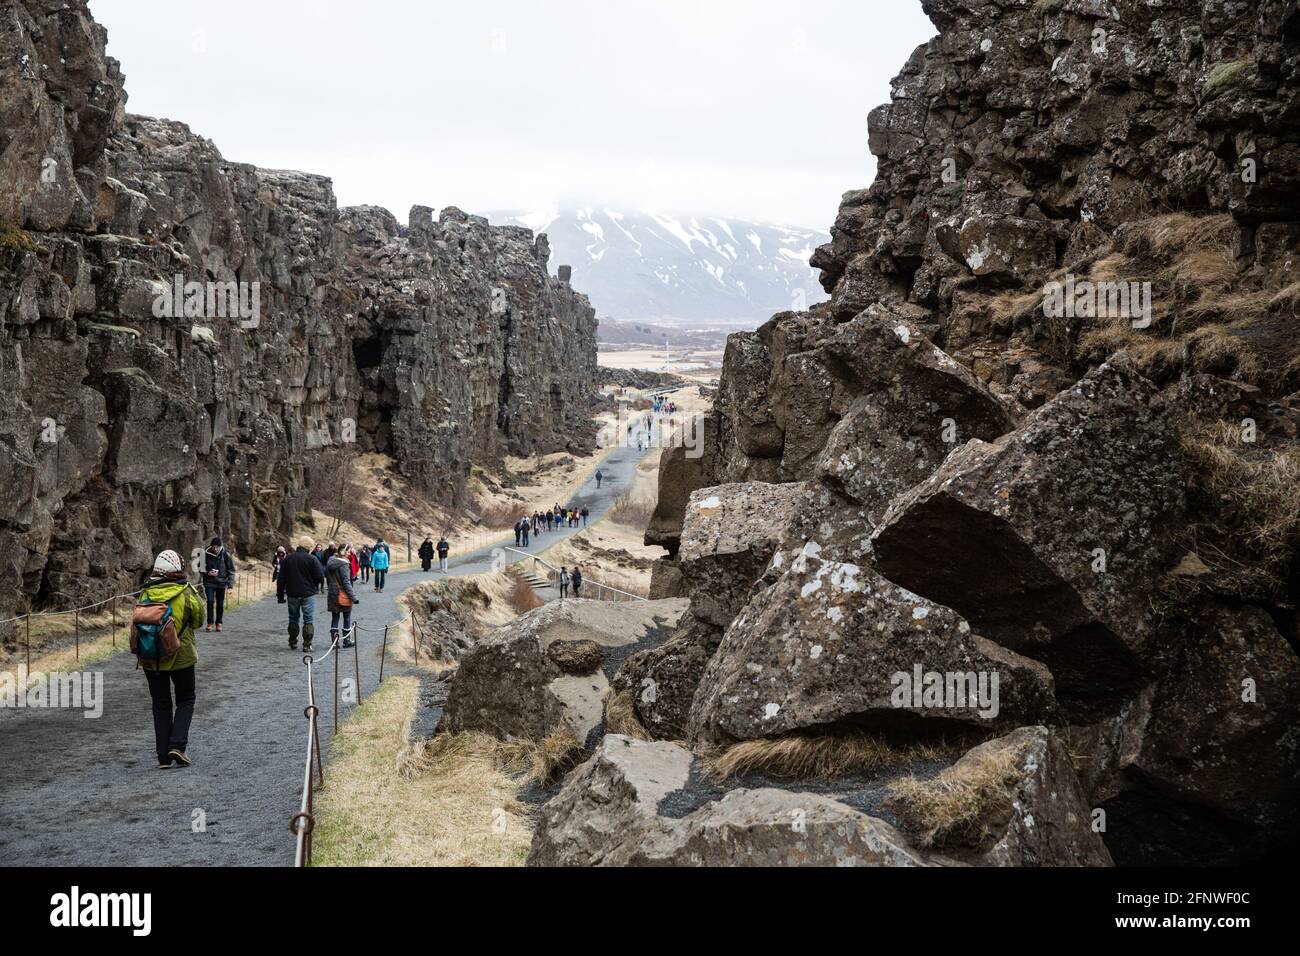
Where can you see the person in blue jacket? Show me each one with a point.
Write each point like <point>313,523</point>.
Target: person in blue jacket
<point>379,560</point>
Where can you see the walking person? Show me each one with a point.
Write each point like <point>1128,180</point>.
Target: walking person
<point>444,549</point>
<point>586,513</point>
<point>426,555</point>
<point>519,533</point>
<point>354,563</point>
<point>600,476</point>
<point>184,614</point>
<point>280,555</point>
<point>218,577</point>
<point>564,583</point>
<point>319,554</point>
<point>364,560</point>
<point>301,574</point>
<point>527,530</point>
<point>577,582</point>
<point>379,559</point>
<point>341,600</point>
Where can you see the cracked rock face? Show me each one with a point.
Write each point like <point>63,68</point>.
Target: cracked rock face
<point>832,646</point>
<point>611,812</point>
<point>1052,540</point>
<point>438,342</point>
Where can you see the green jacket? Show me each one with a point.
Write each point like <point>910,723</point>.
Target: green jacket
<point>189,613</point>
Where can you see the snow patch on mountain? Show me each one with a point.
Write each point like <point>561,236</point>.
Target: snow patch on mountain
<point>654,266</point>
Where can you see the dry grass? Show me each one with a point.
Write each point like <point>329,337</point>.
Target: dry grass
<point>952,808</point>
<point>621,718</point>
<point>632,511</point>
<point>444,804</point>
<point>801,757</point>
<point>1248,497</point>
<point>521,597</point>
<point>1204,320</point>
<point>539,761</point>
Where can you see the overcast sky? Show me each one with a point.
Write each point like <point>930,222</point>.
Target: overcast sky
<point>746,108</point>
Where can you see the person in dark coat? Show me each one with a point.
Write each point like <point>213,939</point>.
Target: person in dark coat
<point>444,549</point>
<point>280,555</point>
<point>426,555</point>
<point>302,576</point>
<point>363,557</point>
<point>218,577</point>
<point>342,599</point>
<point>576,580</point>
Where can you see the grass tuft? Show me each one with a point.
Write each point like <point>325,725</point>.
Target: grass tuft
<point>800,757</point>
<point>954,808</point>
<point>621,718</point>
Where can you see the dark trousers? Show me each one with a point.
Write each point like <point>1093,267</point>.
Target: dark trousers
<point>365,572</point>
<point>426,563</point>
<point>217,599</point>
<point>171,728</point>
<point>380,575</point>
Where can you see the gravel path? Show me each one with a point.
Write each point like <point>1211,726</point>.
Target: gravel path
<point>79,792</point>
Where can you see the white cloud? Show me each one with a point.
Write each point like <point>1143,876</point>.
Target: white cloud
<point>751,109</point>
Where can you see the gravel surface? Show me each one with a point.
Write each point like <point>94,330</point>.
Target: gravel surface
<point>79,792</point>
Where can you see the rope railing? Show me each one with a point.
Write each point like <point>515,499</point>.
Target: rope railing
<point>243,591</point>
<point>304,821</point>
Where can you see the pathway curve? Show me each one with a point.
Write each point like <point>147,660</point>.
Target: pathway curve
<point>79,792</point>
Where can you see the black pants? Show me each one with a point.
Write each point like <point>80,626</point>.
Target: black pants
<point>426,563</point>
<point>365,572</point>
<point>171,729</point>
<point>217,599</point>
<point>380,575</point>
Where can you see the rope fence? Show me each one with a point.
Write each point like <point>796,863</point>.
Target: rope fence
<point>247,587</point>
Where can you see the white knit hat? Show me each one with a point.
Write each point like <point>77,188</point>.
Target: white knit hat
<point>169,562</point>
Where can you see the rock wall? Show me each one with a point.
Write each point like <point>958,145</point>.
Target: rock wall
<point>1077,501</point>
<point>439,342</point>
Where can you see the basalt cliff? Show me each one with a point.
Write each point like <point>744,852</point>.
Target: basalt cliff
<point>131,424</point>
<point>1045,432</point>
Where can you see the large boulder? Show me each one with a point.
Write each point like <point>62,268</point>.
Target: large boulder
<point>1051,540</point>
<point>832,645</point>
<point>682,471</point>
<point>914,405</point>
<point>1200,768</point>
<point>1012,801</point>
<point>618,810</point>
<point>662,680</point>
<point>729,535</point>
<point>534,677</point>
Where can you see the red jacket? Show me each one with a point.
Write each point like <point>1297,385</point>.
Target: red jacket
<point>356,565</point>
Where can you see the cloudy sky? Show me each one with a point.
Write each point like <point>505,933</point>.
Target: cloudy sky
<point>745,108</point>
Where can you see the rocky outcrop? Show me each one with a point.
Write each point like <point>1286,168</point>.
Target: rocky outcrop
<point>832,646</point>
<point>1013,801</point>
<point>131,427</point>
<point>549,671</point>
<point>615,810</point>
<point>1052,540</point>
<point>1091,498</point>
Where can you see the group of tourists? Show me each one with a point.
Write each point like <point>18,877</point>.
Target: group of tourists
<point>367,563</point>
<point>568,580</point>
<point>427,551</point>
<point>529,526</point>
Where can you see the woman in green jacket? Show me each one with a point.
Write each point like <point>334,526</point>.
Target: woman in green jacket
<point>171,727</point>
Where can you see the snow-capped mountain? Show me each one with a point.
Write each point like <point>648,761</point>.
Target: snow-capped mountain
<point>651,267</point>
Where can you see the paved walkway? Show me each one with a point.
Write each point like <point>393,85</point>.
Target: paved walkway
<point>79,792</point>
